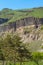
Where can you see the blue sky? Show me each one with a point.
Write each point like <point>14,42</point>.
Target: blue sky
<point>20,4</point>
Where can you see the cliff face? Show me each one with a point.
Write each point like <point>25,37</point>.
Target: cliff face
<point>19,23</point>
<point>3,20</point>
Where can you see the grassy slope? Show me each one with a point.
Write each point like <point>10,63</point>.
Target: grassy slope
<point>14,15</point>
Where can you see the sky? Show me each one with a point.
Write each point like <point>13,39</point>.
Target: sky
<point>20,4</point>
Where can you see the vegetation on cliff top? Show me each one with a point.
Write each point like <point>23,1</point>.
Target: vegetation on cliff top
<point>14,15</point>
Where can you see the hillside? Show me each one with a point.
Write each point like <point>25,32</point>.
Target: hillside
<point>21,34</point>
<point>14,15</point>
<point>27,23</point>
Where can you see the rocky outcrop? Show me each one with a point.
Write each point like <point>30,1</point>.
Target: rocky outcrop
<point>19,23</point>
<point>3,20</point>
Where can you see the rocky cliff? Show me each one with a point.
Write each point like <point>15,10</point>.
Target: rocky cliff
<point>29,29</point>
<point>3,20</point>
<point>20,23</point>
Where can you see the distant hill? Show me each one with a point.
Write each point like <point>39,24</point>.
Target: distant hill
<point>14,15</point>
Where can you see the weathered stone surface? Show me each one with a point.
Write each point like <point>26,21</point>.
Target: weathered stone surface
<point>19,23</point>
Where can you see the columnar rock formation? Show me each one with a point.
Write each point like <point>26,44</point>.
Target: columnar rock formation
<point>19,23</point>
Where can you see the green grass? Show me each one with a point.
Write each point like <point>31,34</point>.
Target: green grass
<point>41,27</point>
<point>23,63</point>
